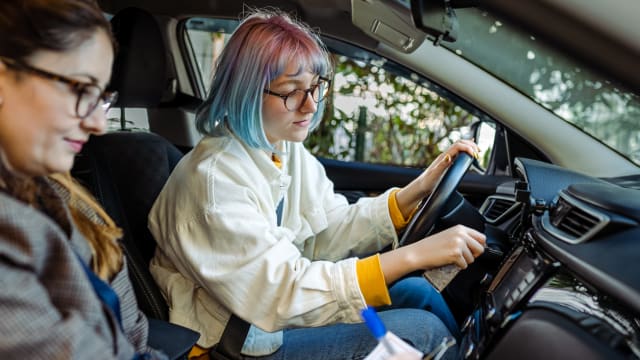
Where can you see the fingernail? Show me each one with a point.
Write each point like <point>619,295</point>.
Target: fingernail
<point>476,155</point>
<point>447,158</point>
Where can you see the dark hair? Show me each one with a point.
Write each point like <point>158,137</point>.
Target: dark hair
<point>28,26</point>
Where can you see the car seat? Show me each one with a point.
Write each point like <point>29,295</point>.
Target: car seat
<point>126,170</point>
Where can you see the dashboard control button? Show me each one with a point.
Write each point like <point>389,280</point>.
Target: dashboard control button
<point>468,322</point>
<point>470,348</point>
<point>509,303</point>
<point>515,294</point>
<point>522,286</point>
<point>529,277</point>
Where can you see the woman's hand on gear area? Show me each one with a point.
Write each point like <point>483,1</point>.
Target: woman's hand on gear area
<point>458,245</point>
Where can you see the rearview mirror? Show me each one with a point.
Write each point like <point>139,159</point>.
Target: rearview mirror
<point>437,18</point>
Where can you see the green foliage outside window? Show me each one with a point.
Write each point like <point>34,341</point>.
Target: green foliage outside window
<point>376,116</point>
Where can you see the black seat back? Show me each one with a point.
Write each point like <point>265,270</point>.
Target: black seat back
<point>140,68</point>
<point>126,171</point>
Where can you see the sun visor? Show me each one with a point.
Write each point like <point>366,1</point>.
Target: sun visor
<point>389,22</point>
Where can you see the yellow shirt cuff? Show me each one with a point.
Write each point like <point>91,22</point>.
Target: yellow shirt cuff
<point>198,353</point>
<point>399,222</point>
<point>371,281</point>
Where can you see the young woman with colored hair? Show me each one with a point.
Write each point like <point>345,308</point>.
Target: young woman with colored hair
<point>249,224</point>
<point>65,289</point>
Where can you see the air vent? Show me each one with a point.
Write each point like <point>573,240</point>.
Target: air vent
<point>573,221</point>
<point>496,207</point>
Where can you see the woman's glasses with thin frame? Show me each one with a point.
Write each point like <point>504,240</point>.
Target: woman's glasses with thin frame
<point>295,99</point>
<point>89,95</point>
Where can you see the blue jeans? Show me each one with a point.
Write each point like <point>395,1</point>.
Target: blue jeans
<point>420,328</point>
<point>415,292</point>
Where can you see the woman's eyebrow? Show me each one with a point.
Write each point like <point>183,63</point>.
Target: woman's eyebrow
<point>84,76</point>
<point>293,81</point>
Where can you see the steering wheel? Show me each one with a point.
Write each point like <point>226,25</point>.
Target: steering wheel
<point>430,208</point>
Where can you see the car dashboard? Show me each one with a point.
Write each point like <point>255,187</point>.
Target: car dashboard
<point>568,287</point>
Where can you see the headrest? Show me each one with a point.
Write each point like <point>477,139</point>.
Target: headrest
<point>140,67</point>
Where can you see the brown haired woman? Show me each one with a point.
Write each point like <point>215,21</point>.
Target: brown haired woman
<point>65,290</point>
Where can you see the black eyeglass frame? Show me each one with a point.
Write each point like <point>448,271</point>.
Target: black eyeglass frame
<point>308,91</point>
<point>77,86</point>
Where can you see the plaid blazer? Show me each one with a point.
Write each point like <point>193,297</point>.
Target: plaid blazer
<point>48,308</point>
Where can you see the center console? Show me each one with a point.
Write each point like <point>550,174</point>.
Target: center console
<point>522,271</point>
<point>535,308</point>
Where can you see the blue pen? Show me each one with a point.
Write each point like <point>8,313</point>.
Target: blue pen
<point>377,328</point>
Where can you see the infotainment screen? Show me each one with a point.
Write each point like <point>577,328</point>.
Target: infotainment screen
<point>515,279</point>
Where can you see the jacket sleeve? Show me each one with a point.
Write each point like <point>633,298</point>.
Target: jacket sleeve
<point>43,302</point>
<point>340,229</point>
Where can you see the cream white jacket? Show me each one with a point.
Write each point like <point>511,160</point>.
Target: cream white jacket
<point>220,250</point>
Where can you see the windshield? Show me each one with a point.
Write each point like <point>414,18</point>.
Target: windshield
<point>579,96</point>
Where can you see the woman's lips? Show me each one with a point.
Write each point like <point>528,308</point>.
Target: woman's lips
<point>76,145</point>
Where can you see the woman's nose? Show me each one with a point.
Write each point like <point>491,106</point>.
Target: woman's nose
<point>309,105</point>
<point>96,122</point>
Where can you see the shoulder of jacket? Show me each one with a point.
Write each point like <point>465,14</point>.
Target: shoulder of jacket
<point>26,233</point>
<point>213,148</point>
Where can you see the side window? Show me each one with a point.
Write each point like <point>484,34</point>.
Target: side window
<point>204,39</point>
<point>378,112</point>
<point>381,113</point>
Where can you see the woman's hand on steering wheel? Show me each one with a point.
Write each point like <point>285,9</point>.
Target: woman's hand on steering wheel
<point>409,196</point>
<point>429,178</point>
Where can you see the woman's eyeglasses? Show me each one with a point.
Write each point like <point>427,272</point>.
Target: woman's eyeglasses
<point>294,100</point>
<point>89,94</point>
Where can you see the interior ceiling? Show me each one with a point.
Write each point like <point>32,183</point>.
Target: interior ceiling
<point>312,11</point>
<point>332,16</point>
<point>570,29</point>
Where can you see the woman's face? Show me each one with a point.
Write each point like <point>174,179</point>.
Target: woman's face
<point>278,122</point>
<point>40,133</point>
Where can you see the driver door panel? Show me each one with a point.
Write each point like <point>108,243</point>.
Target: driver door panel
<point>356,179</point>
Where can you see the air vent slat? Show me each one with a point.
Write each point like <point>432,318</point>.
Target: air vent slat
<point>497,208</point>
<point>573,221</point>
<point>584,217</point>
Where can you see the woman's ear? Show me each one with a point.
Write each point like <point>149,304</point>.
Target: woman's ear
<point>3,71</point>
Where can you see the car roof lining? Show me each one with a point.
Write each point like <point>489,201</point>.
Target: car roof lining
<point>333,17</point>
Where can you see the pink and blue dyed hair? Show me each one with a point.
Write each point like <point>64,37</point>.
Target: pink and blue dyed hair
<point>258,52</point>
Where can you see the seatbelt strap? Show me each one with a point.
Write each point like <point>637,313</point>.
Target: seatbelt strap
<point>232,339</point>
<point>236,330</point>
